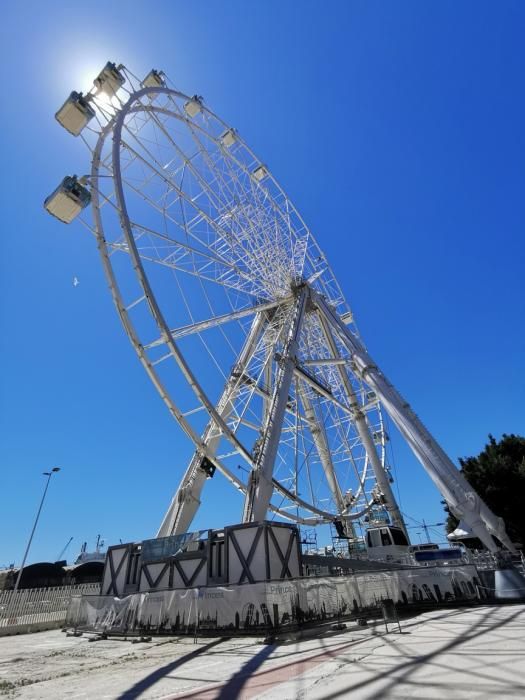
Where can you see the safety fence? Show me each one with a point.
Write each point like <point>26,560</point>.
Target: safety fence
<point>30,609</point>
<point>269,605</point>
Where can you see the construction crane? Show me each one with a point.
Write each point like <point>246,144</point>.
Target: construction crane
<point>59,557</point>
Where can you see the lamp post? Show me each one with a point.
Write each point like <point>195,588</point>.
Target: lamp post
<point>49,475</point>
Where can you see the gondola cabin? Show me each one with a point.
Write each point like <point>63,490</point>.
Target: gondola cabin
<point>68,200</point>
<point>154,79</point>
<point>110,79</point>
<point>193,106</point>
<point>75,113</point>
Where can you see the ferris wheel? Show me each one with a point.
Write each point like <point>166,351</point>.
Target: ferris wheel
<point>235,313</point>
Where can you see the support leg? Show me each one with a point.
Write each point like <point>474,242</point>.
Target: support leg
<point>363,431</point>
<point>186,500</point>
<point>463,500</point>
<point>260,487</point>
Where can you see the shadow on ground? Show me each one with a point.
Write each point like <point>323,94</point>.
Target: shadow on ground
<point>150,680</point>
<point>399,675</point>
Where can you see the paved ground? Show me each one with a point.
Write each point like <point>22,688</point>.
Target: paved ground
<point>465,653</point>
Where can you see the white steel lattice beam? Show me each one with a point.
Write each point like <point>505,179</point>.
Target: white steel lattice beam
<point>464,502</point>
<point>260,487</point>
<point>199,326</point>
<point>363,430</point>
<point>186,500</point>
<point>318,433</point>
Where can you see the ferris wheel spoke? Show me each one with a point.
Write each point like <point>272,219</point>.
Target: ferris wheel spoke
<point>218,320</point>
<point>186,162</point>
<point>255,187</point>
<point>192,203</point>
<point>157,169</point>
<point>306,462</point>
<point>356,412</point>
<point>205,184</point>
<point>255,259</point>
<point>318,433</point>
<point>348,455</point>
<point>272,201</point>
<point>123,248</point>
<point>206,256</point>
<point>186,248</point>
<point>336,406</point>
<point>251,235</point>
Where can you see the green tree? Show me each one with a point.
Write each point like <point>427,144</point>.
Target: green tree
<point>498,476</point>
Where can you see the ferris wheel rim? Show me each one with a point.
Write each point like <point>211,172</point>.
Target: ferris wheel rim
<point>115,126</point>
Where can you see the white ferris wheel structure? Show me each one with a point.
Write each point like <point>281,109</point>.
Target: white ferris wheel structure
<point>237,318</point>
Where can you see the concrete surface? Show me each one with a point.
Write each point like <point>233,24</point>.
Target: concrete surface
<point>464,653</point>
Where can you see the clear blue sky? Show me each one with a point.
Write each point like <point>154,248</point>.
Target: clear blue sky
<point>398,131</point>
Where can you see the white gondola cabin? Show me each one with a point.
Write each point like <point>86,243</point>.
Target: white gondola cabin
<point>110,79</point>
<point>154,79</point>
<point>68,200</point>
<point>193,106</point>
<point>260,173</point>
<point>228,138</point>
<point>75,113</point>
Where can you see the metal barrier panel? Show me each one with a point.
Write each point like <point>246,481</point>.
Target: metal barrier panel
<point>30,608</point>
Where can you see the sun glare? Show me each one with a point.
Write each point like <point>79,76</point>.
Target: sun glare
<point>105,100</point>
<point>87,76</point>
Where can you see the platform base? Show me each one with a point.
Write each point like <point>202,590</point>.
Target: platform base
<point>271,605</point>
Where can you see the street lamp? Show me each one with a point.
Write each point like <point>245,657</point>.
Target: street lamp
<point>49,475</point>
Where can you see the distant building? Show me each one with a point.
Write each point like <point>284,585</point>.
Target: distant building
<point>48,575</point>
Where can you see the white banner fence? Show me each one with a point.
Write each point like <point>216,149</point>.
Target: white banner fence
<point>272,604</point>
<point>38,608</point>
